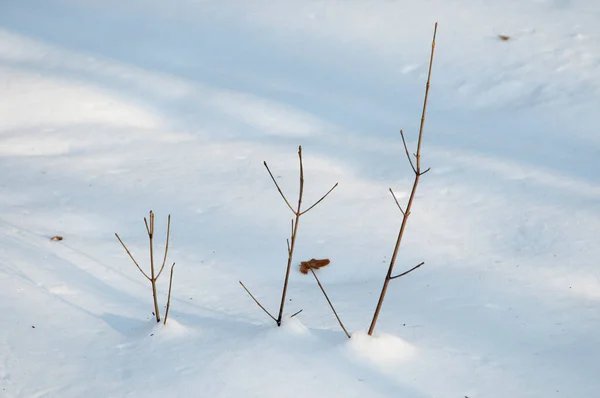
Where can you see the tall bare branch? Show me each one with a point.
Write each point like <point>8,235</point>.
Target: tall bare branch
<point>418,174</point>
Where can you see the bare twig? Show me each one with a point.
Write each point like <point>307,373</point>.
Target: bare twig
<point>166,246</point>
<point>329,301</point>
<point>153,277</point>
<point>397,203</point>
<point>418,174</point>
<point>291,242</point>
<point>319,201</point>
<point>152,274</point>
<point>407,272</point>
<point>257,302</point>
<point>131,257</point>
<point>295,313</point>
<point>298,213</point>
<point>169,295</point>
<point>407,155</point>
<point>279,189</point>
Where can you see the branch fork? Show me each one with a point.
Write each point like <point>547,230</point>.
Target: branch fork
<point>291,242</point>
<point>154,277</point>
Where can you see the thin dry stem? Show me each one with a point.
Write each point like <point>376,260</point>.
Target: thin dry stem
<point>166,246</point>
<point>329,301</point>
<point>397,203</point>
<point>298,213</point>
<point>407,272</point>
<point>257,302</point>
<point>319,201</point>
<point>169,295</point>
<point>295,313</point>
<point>279,189</point>
<point>407,154</point>
<point>131,257</point>
<point>418,174</point>
<point>152,274</point>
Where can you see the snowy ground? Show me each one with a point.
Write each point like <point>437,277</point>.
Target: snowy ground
<point>111,108</point>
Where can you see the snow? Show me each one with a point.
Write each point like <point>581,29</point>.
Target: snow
<point>109,109</point>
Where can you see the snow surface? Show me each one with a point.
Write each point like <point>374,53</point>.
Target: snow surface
<point>111,108</point>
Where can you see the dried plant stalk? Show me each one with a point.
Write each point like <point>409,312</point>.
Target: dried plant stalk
<point>298,212</point>
<point>405,213</point>
<point>169,295</point>
<point>153,277</point>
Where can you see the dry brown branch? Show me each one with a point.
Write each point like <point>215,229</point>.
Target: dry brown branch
<point>169,295</point>
<point>319,201</point>
<point>397,203</point>
<point>279,189</point>
<point>329,301</point>
<point>153,277</point>
<point>406,149</point>
<point>131,257</point>
<point>418,174</point>
<point>407,272</point>
<point>313,264</point>
<point>166,246</point>
<point>257,302</point>
<point>295,313</point>
<point>291,243</point>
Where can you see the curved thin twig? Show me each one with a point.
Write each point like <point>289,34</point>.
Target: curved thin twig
<point>407,272</point>
<point>166,246</point>
<point>257,302</point>
<point>329,301</point>
<point>279,189</point>
<point>131,257</point>
<point>397,203</point>
<point>169,295</point>
<point>407,154</point>
<point>319,201</point>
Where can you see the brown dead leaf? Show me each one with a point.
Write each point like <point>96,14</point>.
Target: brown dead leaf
<point>313,263</point>
<point>504,37</point>
<point>56,238</point>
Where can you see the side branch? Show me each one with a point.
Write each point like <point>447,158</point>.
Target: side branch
<point>397,203</point>
<point>256,301</point>
<point>319,201</point>
<point>166,246</point>
<point>169,295</point>
<point>407,272</point>
<point>131,257</point>
<point>296,313</point>
<point>407,153</point>
<point>279,189</point>
<point>329,301</point>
